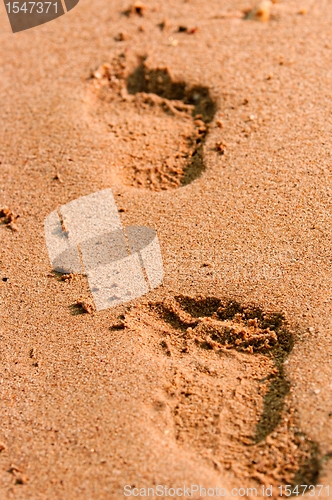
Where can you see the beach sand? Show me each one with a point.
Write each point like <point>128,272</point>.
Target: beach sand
<point>214,130</point>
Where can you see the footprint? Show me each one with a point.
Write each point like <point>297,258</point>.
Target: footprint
<point>158,125</point>
<point>228,391</point>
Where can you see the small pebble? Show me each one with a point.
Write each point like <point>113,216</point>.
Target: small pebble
<point>173,42</point>
<point>220,147</point>
<point>58,177</point>
<point>121,37</point>
<point>86,305</point>
<point>138,8</point>
<point>261,11</point>
<point>303,11</point>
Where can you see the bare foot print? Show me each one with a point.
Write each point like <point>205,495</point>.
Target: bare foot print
<point>228,392</point>
<point>159,125</point>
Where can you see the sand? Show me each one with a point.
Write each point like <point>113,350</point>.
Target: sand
<point>214,129</point>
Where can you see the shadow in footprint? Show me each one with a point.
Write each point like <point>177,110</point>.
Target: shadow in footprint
<point>279,348</point>
<point>197,99</point>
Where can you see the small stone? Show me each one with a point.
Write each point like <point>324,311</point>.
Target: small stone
<point>220,147</point>
<point>68,277</point>
<point>58,177</point>
<point>86,304</point>
<point>137,8</point>
<point>261,11</point>
<point>102,72</point>
<point>173,42</point>
<point>9,218</point>
<point>185,29</point>
<point>22,479</point>
<point>164,24</point>
<point>121,37</point>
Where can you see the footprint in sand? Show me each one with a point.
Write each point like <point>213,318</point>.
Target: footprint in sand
<point>159,125</point>
<point>228,391</point>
